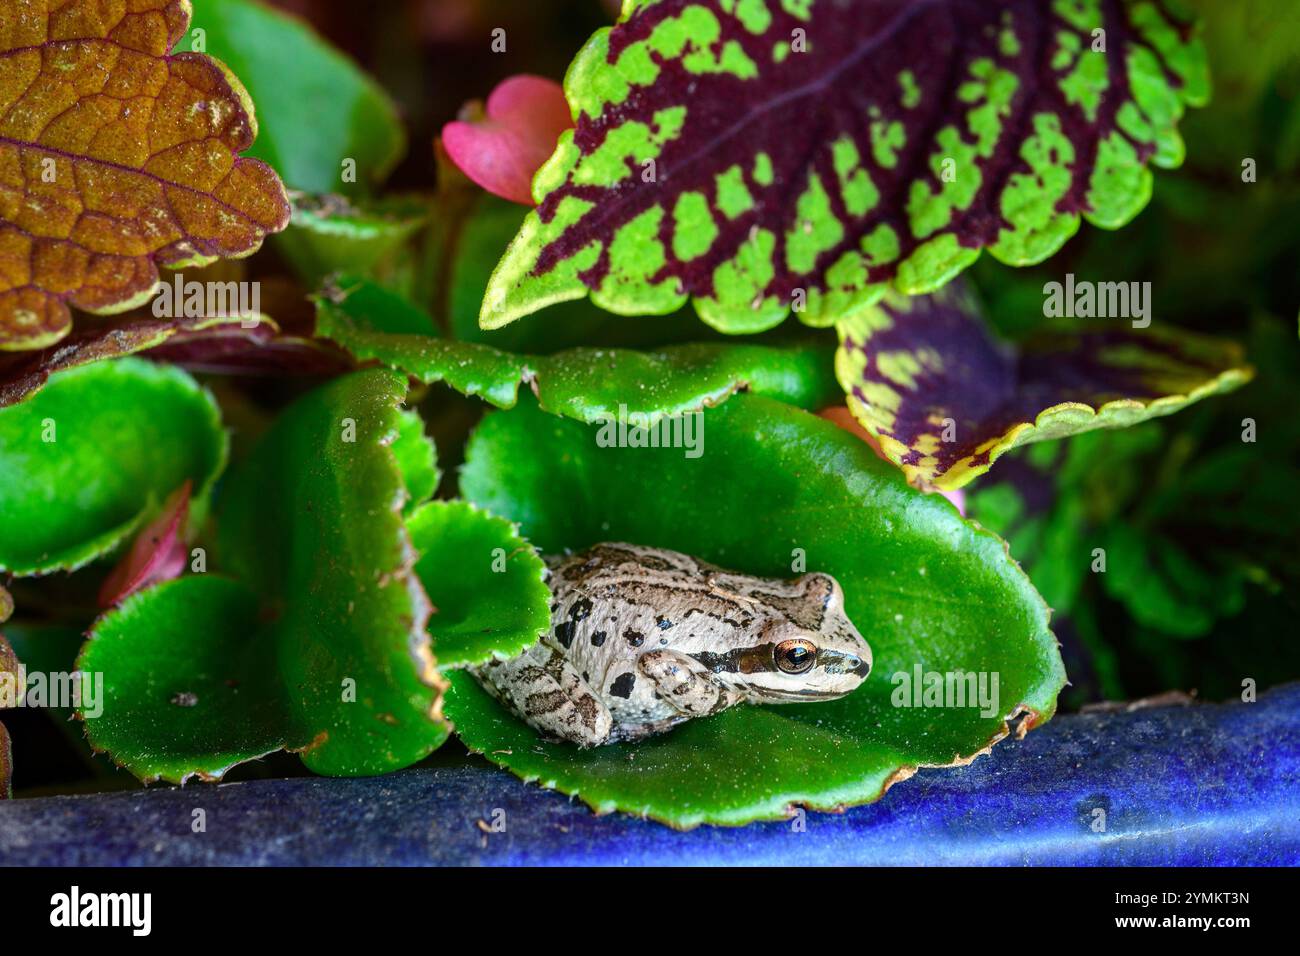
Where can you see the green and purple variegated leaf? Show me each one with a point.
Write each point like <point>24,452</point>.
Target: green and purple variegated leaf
<point>945,399</point>
<point>763,155</point>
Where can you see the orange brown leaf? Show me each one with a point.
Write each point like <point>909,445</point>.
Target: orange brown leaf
<point>116,158</point>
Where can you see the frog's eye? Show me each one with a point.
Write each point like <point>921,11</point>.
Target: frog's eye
<point>795,656</point>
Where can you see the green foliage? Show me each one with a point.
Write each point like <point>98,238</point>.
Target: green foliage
<point>946,399</point>
<point>330,233</point>
<point>925,588</point>
<point>463,261</point>
<point>342,601</point>
<point>487,584</point>
<point>583,383</point>
<point>87,460</point>
<point>682,179</point>
<point>316,110</point>
<point>1197,524</point>
<point>312,640</point>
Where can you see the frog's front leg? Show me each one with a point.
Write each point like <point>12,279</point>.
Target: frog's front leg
<point>684,683</point>
<point>546,691</point>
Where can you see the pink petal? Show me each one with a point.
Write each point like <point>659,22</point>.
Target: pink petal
<point>158,553</point>
<point>503,151</point>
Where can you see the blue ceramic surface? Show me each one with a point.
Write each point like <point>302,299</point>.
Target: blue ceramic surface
<point>1208,784</point>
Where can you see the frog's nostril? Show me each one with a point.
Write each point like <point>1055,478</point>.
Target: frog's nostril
<point>863,668</point>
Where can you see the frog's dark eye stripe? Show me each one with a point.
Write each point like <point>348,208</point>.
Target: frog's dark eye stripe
<point>740,660</point>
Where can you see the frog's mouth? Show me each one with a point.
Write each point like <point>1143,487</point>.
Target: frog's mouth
<point>802,696</point>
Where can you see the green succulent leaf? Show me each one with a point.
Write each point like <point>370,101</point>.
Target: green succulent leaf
<point>316,109</point>
<point>313,637</point>
<point>417,460</point>
<point>88,459</point>
<point>487,584</point>
<point>377,324</point>
<point>946,399</point>
<point>331,233</point>
<point>925,588</point>
<point>764,155</point>
<point>587,384</point>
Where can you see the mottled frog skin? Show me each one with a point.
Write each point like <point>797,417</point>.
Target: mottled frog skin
<point>643,639</point>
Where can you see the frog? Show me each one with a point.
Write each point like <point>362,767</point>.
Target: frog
<point>643,639</point>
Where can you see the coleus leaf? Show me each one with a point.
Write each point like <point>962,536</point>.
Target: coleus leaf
<point>945,399</point>
<point>1189,531</point>
<point>116,158</point>
<point>925,588</point>
<point>843,418</point>
<point>327,126</point>
<point>471,230</point>
<point>23,374</point>
<point>760,155</point>
<point>487,584</point>
<point>313,637</point>
<point>588,384</point>
<point>87,460</point>
<point>503,148</point>
<point>235,348</point>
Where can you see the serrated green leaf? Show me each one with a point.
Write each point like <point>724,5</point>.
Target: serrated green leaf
<point>86,460</point>
<point>331,233</point>
<point>487,583</point>
<point>417,460</point>
<point>313,639</point>
<point>946,399</point>
<point>582,383</point>
<point>769,154</point>
<point>924,587</point>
